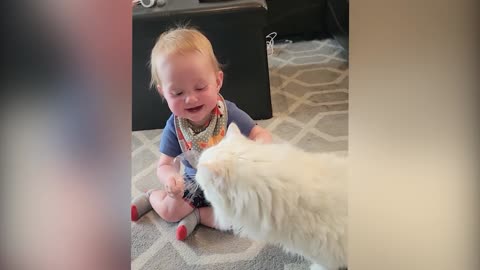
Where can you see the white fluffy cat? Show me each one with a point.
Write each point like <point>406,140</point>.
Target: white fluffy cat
<point>279,194</point>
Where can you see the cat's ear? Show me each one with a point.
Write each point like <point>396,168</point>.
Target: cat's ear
<point>217,169</point>
<point>233,130</point>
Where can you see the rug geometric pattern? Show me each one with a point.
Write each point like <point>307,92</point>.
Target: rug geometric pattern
<point>309,88</point>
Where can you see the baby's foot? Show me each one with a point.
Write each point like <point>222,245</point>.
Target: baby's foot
<point>188,224</point>
<point>140,205</point>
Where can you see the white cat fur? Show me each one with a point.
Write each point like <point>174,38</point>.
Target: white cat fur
<point>279,194</point>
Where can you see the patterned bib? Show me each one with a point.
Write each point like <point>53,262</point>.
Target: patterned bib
<point>193,143</point>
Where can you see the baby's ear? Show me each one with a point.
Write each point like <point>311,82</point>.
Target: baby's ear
<point>233,130</point>
<point>219,80</point>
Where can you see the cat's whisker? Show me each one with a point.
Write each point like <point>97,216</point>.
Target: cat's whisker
<point>192,187</point>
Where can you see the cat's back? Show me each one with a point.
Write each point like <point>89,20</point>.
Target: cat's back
<point>292,162</point>
<point>315,191</point>
<point>296,185</point>
<point>310,179</point>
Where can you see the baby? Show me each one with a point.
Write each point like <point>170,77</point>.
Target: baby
<point>187,75</point>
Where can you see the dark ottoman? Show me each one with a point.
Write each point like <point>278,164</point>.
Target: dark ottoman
<point>236,30</point>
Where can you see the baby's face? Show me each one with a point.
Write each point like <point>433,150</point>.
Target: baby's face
<point>190,85</point>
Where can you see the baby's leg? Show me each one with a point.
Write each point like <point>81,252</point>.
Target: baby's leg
<point>168,208</point>
<point>207,217</point>
<point>203,215</point>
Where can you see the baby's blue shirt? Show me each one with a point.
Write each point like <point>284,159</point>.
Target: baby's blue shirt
<point>169,142</point>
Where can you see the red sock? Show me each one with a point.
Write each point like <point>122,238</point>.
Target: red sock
<point>134,213</point>
<point>188,224</point>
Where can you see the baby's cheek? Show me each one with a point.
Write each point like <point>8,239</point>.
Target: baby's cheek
<point>177,105</point>
<point>177,109</point>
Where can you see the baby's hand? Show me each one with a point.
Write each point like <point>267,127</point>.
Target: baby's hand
<point>175,186</point>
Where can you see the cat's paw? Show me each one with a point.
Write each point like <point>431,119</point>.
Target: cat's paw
<point>317,267</point>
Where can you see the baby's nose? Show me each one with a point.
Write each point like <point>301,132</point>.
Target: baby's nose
<point>190,99</point>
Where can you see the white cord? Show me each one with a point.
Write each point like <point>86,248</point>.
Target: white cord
<point>270,42</point>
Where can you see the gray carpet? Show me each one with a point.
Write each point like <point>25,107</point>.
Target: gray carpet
<point>309,84</point>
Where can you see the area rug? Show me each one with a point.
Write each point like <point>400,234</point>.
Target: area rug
<point>309,87</point>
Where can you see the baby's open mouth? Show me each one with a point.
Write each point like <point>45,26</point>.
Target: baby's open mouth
<point>195,109</point>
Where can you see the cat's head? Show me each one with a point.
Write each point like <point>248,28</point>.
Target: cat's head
<point>223,169</point>
<point>234,178</point>
<point>217,164</point>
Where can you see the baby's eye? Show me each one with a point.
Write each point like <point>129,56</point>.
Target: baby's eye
<point>177,93</point>
<point>201,87</point>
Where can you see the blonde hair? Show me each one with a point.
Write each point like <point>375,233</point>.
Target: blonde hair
<point>180,40</point>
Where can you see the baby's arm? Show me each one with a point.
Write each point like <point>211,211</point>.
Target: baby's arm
<point>260,134</point>
<point>169,176</point>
